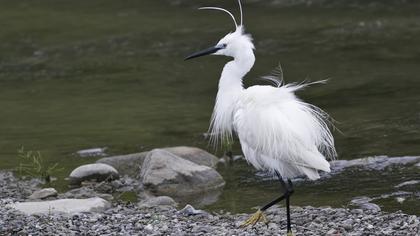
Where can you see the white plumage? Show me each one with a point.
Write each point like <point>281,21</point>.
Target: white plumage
<point>277,131</point>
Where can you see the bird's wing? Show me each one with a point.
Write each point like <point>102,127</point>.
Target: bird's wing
<point>281,133</point>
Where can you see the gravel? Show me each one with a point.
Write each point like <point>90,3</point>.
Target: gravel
<point>10,187</point>
<point>129,219</point>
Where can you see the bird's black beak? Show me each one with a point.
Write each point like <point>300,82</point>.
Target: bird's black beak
<point>205,52</point>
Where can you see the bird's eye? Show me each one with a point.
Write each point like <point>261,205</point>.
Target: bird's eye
<point>224,45</point>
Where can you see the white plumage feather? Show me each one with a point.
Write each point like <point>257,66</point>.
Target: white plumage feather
<point>277,131</point>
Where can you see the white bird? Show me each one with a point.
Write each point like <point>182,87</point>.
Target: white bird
<point>278,132</point>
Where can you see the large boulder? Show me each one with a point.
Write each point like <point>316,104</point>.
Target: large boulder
<point>125,164</point>
<point>95,204</point>
<point>130,164</point>
<point>98,172</point>
<point>196,155</point>
<point>164,173</point>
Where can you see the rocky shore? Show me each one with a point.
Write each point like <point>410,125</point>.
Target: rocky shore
<point>118,218</point>
<point>128,219</point>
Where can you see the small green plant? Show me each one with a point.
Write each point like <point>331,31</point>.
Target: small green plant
<point>33,164</point>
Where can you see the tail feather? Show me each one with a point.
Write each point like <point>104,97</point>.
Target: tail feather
<point>310,173</point>
<point>316,161</point>
<point>312,163</point>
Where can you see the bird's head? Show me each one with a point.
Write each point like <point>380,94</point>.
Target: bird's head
<point>233,44</point>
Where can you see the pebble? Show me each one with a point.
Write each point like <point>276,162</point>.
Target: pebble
<point>189,210</point>
<point>348,224</point>
<point>148,228</point>
<point>357,211</point>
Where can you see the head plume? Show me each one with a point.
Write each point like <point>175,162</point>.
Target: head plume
<point>228,12</point>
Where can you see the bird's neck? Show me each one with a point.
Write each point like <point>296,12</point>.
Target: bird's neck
<point>230,88</point>
<point>233,73</point>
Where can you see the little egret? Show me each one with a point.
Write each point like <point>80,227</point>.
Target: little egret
<point>278,132</point>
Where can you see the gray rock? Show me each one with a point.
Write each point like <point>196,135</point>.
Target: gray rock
<point>360,200</point>
<point>193,154</point>
<point>126,164</point>
<point>406,183</point>
<point>92,152</point>
<point>272,225</point>
<point>238,157</point>
<point>149,228</point>
<point>43,193</point>
<point>357,211</point>
<point>376,162</point>
<point>190,210</point>
<point>400,199</point>
<point>332,232</point>
<point>395,194</point>
<point>348,224</point>
<point>98,172</point>
<point>130,164</point>
<point>370,207</point>
<point>85,192</point>
<point>164,173</point>
<point>365,204</point>
<point>158,201</point>
<point>95,204</point>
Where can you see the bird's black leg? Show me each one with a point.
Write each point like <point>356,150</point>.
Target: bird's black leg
<point>270,204</point>
<point>288,191</point>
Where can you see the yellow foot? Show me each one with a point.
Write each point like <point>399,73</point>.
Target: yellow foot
<point>255,218</point>
<point>290,233</point>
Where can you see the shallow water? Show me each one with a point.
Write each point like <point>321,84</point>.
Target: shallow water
<point>111,74</point>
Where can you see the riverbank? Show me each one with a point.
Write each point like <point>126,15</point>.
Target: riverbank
<point>131,219</point>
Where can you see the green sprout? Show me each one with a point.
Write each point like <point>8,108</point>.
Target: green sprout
<point>33,164</point>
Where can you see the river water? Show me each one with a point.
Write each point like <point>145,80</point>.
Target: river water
<point>76,75</point>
